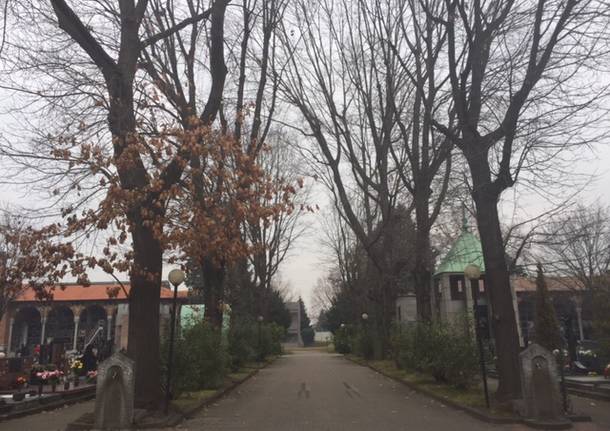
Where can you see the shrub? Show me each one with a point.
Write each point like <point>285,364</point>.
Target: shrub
<point>446,351</point>
<point>278,334</point>
<point>363,342</point>
<point>244,341</point>
<point>342,340</point>
<point>308,336</point>
<point>199,361</point>
<point>272,335</point>
<point>546,325</point>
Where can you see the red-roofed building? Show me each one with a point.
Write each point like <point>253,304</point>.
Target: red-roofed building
<point>75,317</point>
<point>452,297</point>
<point>572,305</point>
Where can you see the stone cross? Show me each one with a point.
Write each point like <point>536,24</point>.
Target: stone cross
<point>115,393</point>
<point>541,396</point>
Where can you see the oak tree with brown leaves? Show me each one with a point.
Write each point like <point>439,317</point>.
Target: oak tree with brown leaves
<point>136,164</point>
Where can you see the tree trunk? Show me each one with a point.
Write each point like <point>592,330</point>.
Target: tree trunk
<point>213,291</point>
<point>143,342</point>
<point>422,273</point>
<point>498,285</point>
<point>145,278</point>
<point>388,311</point>
<point>422,277</point>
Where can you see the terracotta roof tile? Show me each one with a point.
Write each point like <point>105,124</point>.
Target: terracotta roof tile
<point>94,292</point>
<point>553,284</point>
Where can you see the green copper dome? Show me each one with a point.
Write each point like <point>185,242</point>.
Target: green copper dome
<point>465,251</point>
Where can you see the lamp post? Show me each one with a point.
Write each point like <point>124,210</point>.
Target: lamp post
<point>259,319</point>
<point>473,273</point>
<point>560,361</point>
<point>365,344</point>
<point>175,277</point>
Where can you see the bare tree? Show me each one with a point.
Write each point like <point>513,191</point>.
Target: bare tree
<point>577,246</point>
<point>346,82</point>
<point>245,105</point>
<point>323,294</point>
<point>385,61</point>
<point>511,66</point>
<point>272,239</point>
<point>427,169</point>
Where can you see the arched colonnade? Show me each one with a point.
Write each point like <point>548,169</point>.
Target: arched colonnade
<point>71,325</point>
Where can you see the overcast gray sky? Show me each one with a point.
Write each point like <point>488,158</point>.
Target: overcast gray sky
<point>308,259</point>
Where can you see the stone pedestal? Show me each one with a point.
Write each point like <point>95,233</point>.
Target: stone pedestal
<point>540,384</point>
<point>115,393</point>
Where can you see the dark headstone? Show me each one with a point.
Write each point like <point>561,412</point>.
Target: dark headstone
<point>539,380</point>
<point>115,393</point>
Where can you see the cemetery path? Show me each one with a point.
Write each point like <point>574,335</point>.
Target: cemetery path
<point>53,420</point>
<point>316,391</point>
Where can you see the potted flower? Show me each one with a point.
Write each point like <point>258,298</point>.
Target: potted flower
<point>20,383</point>
<point>49,377</point>
<point>36,377</point>
<point>54,378</point>
<point>92,376</point>
<point>77,368</point>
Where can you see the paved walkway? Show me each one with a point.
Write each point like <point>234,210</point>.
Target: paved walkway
<point>53,420</point>
<point>315,391</point>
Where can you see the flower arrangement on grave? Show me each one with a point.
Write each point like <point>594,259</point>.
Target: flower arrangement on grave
<point>92,376</point>
<point>20,382</point>
<point>50,376</point>
<point>586,355</point>
<point>77,367</point>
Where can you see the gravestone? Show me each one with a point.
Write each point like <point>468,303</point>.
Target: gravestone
<point>540,385</point>
<point>115,393</point>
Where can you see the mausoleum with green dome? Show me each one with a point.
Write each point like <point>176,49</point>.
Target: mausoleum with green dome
<point>453,295</point>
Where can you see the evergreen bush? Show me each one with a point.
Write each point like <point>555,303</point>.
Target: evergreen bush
<point>341,340</point>
<point>446,351</point>
<point>272,335</point>
<point>244,341</point>
<point>199,362</point>
<point>308,336</point>
<point>548,334</point>
<point>202,362</point>
<point>366,342</point>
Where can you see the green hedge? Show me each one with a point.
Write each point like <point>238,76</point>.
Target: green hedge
<point>202,360</point>
<point>446,351</point>
<point>355,339</point>
<point>244,344</point>
<point>308,335</point>
<point>199,363</point>
<point>342,340</point>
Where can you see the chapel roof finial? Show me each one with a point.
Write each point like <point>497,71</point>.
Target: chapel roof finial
<point>464,219</point>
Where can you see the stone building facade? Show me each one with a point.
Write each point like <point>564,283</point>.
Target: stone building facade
<point>294,331</point>
<point>76,316</point>
<point>453,296</point>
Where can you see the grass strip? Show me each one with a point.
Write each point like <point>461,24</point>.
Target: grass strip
<point>471,397</point>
